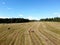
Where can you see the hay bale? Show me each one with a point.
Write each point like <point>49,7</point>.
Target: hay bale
<point>31,31</point>
<point>9,28</point>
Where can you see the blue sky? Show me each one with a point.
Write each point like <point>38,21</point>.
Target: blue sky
<point>31,9</point>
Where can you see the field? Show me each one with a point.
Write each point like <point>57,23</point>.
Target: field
<point>32,33</point>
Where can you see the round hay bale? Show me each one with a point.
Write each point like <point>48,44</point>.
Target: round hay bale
<point>9,28</point>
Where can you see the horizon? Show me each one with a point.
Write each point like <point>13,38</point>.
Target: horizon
<point>29,9</point>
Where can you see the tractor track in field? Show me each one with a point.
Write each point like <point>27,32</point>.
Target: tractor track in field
<point>57,36</point>
<point>33,33</point>
<point>27,35</point>
<point>19,34</point>
<point>50,36</point>
<point>42,39</point>
<point>33,37</point>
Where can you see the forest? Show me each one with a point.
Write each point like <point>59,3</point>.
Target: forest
<point>20,20</point>
<point>55,19</point>
<point>13,20</point>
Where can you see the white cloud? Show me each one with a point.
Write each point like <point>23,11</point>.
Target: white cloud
<point>4,17</point>
<point>32,18</point>
<point>3,3</point>
<point>28,17</point>
<point>21,15</point>
<point>57,14</point>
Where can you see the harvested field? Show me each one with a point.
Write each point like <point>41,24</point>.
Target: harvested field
<point>32,33</point>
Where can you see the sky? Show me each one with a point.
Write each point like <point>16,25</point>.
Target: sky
<point>31,9</point>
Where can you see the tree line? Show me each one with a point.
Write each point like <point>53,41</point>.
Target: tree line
<point>20,20</point>
<point>13,20</point>
<point>56,19</point>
